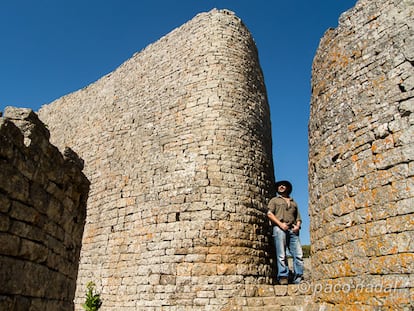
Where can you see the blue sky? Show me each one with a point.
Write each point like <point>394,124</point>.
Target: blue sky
<point>50,48</point>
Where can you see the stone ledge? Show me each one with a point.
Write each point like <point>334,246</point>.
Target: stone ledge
<point>278,290</point>
<point>271,297</point>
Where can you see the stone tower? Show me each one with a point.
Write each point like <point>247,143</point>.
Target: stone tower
<point>177,146</point>
<point>361,161</point>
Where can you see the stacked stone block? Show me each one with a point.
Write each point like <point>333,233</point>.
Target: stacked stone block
<point>177,146</point>
<point>361,161</point>
<point>43,198</point>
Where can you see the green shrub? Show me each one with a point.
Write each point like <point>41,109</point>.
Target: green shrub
<point>93,299</point>
<point>306,251</point>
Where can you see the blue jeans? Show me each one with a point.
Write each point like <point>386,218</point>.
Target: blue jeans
<point>287,240</point>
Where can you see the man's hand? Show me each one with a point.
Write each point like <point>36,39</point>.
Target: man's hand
<point>283,226</point>
<point>296,228</point>
<point>277,222</point>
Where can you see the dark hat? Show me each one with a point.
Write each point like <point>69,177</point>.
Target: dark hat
<point>287,184</point>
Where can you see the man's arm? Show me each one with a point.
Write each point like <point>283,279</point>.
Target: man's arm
<point>277,222</point>
<point>296,227</point>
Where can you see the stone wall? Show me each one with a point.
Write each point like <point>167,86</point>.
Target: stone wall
<point>177,146</point>
<point>42,212</point>
<point>361,161</point>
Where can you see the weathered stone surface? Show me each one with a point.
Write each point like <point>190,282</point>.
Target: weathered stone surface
<point>361,147</point>
<point>177,145</point>
<point>39,241</point>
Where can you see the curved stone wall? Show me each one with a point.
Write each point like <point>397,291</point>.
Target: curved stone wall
<point>361,161</point>
<point>177,146</point>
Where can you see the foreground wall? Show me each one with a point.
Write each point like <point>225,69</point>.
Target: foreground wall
<point>42,213</point>
<point>177,146</point>
<point>361,161</point>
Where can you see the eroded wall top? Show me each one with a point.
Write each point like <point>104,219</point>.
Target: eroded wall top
<point>43,197</point>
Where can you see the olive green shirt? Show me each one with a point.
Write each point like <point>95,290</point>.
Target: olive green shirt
<point>282,211</point>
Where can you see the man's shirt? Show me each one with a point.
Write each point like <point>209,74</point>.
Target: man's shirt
<point>286,213</point>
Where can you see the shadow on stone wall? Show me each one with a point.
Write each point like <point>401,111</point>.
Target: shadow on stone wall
<point>43,198</point>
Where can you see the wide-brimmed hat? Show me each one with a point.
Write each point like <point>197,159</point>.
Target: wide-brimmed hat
<point>287,184</point>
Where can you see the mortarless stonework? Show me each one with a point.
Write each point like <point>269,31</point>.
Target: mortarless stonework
<point>177,146</point>
<point>361,161</point>
<point>42,214</point>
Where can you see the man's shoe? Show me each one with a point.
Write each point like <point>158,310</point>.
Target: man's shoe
<point>283,281</point>
<point>297,280</point>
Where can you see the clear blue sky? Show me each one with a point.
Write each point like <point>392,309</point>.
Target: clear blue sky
<point>53,47</point>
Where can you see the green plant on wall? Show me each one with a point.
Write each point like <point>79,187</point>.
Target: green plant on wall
<point>306,251</point>
<point>93,299</point>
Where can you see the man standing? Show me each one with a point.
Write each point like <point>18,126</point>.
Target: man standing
<point>286,222</point>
